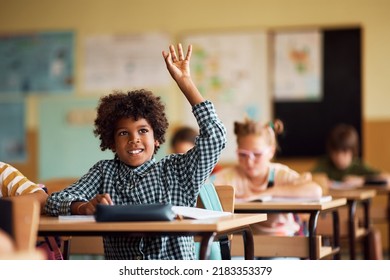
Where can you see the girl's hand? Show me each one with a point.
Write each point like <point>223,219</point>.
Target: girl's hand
<point>178,66</point>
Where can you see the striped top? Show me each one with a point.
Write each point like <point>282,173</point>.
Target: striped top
<point>13,182</point>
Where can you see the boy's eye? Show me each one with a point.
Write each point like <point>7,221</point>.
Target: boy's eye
<point>143,131</point>
<point>122,133</point>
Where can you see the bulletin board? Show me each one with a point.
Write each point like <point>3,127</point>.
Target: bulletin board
<point>307,123</point>
<point>230,69</point>
<point>37,62</point>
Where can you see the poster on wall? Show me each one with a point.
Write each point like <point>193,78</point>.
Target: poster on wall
<point>37,62</point>
<point>12,127</point>
<point>230,69</point>
<point>125,61</point>
<point>297,66</point>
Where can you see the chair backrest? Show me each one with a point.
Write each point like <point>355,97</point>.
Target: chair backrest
<point>218,198</point>
<point>58,184</point>
<point>24,212</point>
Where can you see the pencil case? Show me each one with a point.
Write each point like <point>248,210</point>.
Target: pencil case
<point>134,212</point>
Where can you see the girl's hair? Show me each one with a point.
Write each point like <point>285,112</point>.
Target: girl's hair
<point>135,104</point>
<point>343,137</point>
<point>268,130</point>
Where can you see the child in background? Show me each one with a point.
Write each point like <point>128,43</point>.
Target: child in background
<point>255,175</point>
<point>342,162</point>
<point>184,139</point>
<point>133,125</point>
<point>14,183</point>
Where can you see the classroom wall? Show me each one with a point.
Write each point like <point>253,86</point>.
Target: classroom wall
<point>91,17</point>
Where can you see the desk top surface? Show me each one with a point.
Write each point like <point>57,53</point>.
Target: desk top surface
<point>298,206</point>
<point>231,222</point>
<point>378,189</point>
<point>354,194</point>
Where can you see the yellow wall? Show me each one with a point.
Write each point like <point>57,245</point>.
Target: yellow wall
<point>87,17</point>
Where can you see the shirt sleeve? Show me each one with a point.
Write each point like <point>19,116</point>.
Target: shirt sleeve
<point>14,183</point>
<point>83,190</point>
<point>197,164</point>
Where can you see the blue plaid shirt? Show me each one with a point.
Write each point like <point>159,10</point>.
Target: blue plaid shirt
<point>175,179</point>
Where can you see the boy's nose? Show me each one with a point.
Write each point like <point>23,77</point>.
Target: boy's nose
<point>134,141</point>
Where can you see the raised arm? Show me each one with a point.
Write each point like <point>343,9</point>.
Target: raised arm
<point>179,68</point>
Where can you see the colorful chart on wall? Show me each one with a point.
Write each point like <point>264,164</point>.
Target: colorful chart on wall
<point>39,62</point>
<point>12,131</point>
<point>298,66</point>
<point>230,69</point>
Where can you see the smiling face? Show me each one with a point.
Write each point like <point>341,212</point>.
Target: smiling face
<point>134,141</point>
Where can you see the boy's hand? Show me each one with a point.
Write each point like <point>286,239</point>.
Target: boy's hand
<point>178,66</point>
<point>89,208</point>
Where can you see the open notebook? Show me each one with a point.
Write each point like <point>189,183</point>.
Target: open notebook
<point>269,198</point>
<point>198,213</point>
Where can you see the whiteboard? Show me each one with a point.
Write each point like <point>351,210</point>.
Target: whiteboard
<point>230,69</point>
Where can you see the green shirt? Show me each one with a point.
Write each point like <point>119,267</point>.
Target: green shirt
<point>357,167</point>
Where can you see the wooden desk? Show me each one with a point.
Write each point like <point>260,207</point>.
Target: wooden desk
<point>207,229</point>
<point>384,190</point>
<point>354,197</point>
<point>312,208</point>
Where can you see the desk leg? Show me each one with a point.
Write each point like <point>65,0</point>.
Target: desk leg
<point>367,227</point>
<point>351,228</point>
<point>312,234</point>
<point>205,245</point>
<point>388,224</point>
<point>249,246</point>
<point>336,233</point>
<point>66,251</point>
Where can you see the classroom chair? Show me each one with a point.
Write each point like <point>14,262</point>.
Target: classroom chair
<point>217,198</point>
<point>20,219</point>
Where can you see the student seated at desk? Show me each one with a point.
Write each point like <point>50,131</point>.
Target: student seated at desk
<point>14,183</point>
<point>255,175</point>
<point>132,125</point>
<point>342,162</point>
<point>184,139</point>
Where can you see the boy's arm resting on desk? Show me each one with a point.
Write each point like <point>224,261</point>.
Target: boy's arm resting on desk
<point>83,190</point>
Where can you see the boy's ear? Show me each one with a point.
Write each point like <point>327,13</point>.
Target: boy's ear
<point>156,143</point>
